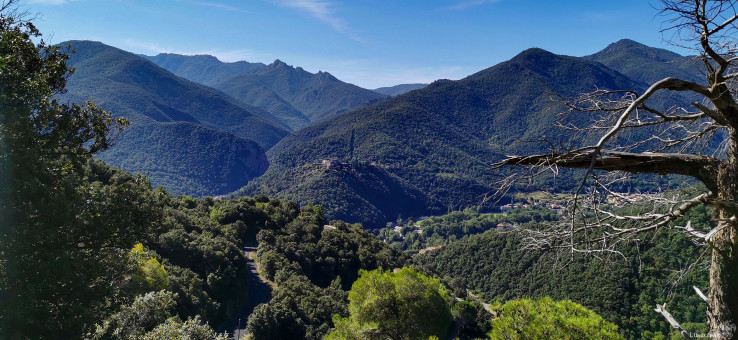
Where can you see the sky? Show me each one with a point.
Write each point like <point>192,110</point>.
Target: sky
<point>370,43</point>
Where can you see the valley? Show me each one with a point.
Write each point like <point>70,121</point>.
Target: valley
<point>184,193</point>
<point>420,153</point>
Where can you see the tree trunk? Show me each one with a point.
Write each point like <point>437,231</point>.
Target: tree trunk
<point>723,297</point>
<point>722,314</point>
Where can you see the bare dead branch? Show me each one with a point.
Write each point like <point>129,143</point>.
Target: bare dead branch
<point>700,293</point>
<point>661,309</point>
<point>630,132</point>
<point>700,167</point>
<point>712,114</point>
<point>666,83</point>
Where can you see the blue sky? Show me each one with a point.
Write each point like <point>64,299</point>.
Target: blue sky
<point>370,43</point>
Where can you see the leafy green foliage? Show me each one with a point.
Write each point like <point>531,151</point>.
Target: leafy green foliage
<point>311,265</point>
<point>149,274</point>
<point>133,321</point>
<point>68,222</point>
<point>150,317</point>
<point>192,329</point>
<point>458,225</point>
<point>394,305</point>
<point>621,291</point>
<point>548,319</point>
<point>473,318</point>
<point>200,244</point>
<point>298,310</point>
<point>201,251</point>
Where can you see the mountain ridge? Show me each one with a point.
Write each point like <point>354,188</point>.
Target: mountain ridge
<point>440,140</point>
<point>399,89</point>
<point>102,70</point>
<point>292,94</point>
<point>202,68</point>
<point>645,63</point>
<point>173,121</point>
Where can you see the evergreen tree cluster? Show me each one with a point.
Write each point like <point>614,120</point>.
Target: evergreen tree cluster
<point>312,266</point>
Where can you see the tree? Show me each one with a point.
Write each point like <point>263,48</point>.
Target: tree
<point>150,317</point>
<point>669,139</point>
<point>400,305</point>
<point>143,315</point>
<point>149,274</point>
<point>548,319</point>
<point>68,221</point>
<point>192,329</point>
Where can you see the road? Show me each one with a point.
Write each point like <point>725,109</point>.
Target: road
<point>259,292</point>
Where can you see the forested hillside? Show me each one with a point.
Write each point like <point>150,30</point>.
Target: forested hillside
<point>622,290</point>
<point>313,266</point>
<point>139,90</point>
<point>188,138</point>
<point>485,254</point>
<point>187,158</point>
<point>439,140</point>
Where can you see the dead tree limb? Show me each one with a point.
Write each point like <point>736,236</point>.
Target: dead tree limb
<point>661,309</point>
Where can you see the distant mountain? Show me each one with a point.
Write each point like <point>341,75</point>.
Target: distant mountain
<point>212,154</point>
<point>439,140</point>
<point>141,91</point>
<point>250,89</point>
<point>647,64</point>
<point>318,96</point>
<point>291,94</point>
<point>203,69</point>
<point>397,90</point>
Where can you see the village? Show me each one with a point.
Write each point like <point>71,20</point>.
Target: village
<point>522,203</point>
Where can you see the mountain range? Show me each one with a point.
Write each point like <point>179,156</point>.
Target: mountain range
<point>193,128</point>
<point>438,142</point>
<point>363,155</point>
<point>293,95</point>
<point>185,136</point>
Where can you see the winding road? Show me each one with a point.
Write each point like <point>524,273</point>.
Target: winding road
<point>259,292</point>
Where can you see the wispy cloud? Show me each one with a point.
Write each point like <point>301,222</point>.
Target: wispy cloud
<point>322,10</point>
<point>471,3</point>
<point>222,6</point>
